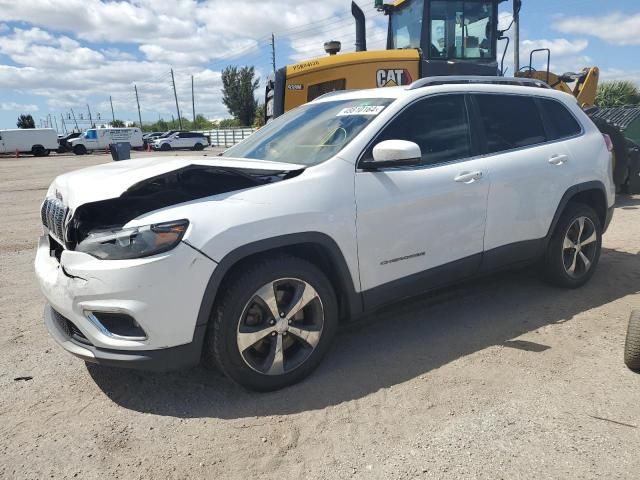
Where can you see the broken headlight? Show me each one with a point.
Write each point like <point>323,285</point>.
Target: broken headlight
<point>134,242</point>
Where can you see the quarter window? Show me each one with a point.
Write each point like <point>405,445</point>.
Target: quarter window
<point>510,121</point>
<point>439,125</point>
<point>562,124</point>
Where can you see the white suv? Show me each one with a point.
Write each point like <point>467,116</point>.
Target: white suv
<point>353,201</point>
<point>181,140</point>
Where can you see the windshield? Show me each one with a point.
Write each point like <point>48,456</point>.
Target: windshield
<point>462,29</point>
<point>406,26</point>
<point>312,133</point>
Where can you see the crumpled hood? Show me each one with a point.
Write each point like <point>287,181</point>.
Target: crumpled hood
<point>111,180</point>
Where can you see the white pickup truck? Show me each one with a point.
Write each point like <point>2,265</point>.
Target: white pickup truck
<point>37,141</point>
<point>101,138</point>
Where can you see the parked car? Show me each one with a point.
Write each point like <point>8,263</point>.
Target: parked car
<point>343,205</point>
<point>63,141</point>
<point>101,138</point>
<point>36,141</point>
<point>148,138</point>
<point>181,140</point>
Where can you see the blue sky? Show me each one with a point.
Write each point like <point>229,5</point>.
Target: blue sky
<point>58,55</point>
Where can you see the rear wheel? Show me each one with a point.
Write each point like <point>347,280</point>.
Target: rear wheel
<point>273,324</point>
<point>39,151</point>
<point>80,150</point>
<point>574,249</point>
<point>632,344</point>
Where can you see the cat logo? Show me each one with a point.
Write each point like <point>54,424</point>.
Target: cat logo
<point>393,78</point>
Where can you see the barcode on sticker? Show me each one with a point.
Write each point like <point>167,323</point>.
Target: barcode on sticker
<point>363,110</point>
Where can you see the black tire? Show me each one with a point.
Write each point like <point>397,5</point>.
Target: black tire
<point>557,261</point>
<point>621,154</point>
<point>80,150</point>
<point>632,344</point>
<point>38,151</point>
<point>198,146</point>
<point>165,147</point>
<point>231,313</point>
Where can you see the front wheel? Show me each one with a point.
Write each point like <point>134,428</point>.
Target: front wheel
<point>574,249</point>
<point>165,147</point>
<point>198,146</point>
<point>80,150</point>
<point>273,324</point>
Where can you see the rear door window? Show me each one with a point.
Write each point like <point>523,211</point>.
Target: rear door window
<point>560,121</point>
<point>510,121</point>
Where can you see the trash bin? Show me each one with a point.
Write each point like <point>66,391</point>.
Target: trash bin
<point>120,151</point>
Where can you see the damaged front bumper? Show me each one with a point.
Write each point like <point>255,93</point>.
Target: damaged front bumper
<point>162,294</point>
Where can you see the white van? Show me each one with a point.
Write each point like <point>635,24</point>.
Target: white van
<point>37,141</point>
<point>101,138</point>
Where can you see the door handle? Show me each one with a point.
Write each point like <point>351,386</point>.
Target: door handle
<point>558,159</point>
<point>468,177</point>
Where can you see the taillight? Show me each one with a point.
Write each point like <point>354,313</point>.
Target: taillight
<point>607,140</point>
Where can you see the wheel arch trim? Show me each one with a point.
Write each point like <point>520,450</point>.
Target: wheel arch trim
<point>570,194</point>
<point>345,280</point>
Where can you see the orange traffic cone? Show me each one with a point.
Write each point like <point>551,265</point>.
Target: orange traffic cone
<point>106,149</point>
<point>148,147</point>
<point>17,153</point>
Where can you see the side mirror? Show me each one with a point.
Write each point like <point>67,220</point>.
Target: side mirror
<point>394,153</point>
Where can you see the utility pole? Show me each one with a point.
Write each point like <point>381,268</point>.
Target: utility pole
<point>56,120</point>
<point>175,94</point>
<point>64,126</point>
<point>90,119</point>
<point>193,103</point>
<point>135,87</point>
<point>74,119</point>
<point>113,115</point>
<point>273,52</point>
<point>517,4</point>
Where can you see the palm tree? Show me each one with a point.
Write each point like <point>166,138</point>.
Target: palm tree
<point>617,94</point>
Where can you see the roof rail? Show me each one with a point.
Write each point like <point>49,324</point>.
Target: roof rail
<point>452,80</point>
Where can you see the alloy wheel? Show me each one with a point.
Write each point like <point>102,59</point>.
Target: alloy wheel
<point>580,247</point>
<point>280,326</point>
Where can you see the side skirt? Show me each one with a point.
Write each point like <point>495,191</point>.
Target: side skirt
<point>502,258</point>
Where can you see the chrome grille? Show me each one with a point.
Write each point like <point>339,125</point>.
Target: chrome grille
<point>54,215</point>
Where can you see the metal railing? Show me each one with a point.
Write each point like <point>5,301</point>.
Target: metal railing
<point>227,137</point>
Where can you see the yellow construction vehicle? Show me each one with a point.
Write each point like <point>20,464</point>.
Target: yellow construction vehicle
<point>429,38</point>
<point>425,38</point>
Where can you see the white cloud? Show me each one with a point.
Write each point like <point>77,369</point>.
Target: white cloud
<point>618,74</point>
<point>615,28</point>
<point>18,107</point>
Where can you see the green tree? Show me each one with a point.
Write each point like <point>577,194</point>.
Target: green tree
<point>118,124</point>
<point>259,120</point>
<point>26,121</point>
<point>229,123</point>
<point>617,93</point>
<point>238,90</point>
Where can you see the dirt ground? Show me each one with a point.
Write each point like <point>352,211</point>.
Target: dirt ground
<point>501,378</point>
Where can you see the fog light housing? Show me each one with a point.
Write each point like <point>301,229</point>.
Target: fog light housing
<point>117,325</point>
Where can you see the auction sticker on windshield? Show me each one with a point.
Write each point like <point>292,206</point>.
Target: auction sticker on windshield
<point>361,110</point>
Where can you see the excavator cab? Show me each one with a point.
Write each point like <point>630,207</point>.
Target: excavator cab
<point>425,38</point>
<point>456,37</point>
